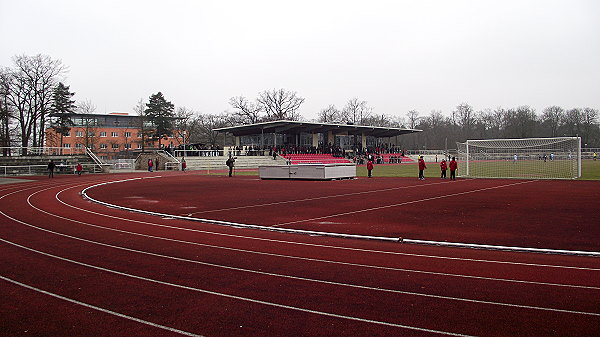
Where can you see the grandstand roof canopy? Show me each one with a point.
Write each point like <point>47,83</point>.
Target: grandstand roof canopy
<point>294,127</point>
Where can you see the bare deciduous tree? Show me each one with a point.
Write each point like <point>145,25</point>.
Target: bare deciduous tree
<point>30,93</point>
<point>413,118</point>
<point>280,104</point>
<point>330,114</point>
<point>464,117</point>
<point>145,132</point>
<point>246,112</point>
<point>184,120</point>
<point>553,117</point>
<point>356,111</point>
<point>590,125</point>
<point>6,112</point>
<point>207,123</point>
<point>89,123</point>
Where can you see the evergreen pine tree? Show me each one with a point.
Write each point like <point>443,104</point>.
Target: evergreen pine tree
<point>61,108</point>
<point>160,112</point>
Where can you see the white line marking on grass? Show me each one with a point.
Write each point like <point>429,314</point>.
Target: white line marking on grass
<point>234,297</point>
<point>106,311</point>
<point>399,204</point>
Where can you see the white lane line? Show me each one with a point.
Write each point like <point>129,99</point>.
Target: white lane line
<point>106,311</point>
<point>316,245</point>
<point>400,204</point>
<point>307,279</point>
<point>240,298</point>
<point>317,198</point>
<point>301,258</point>
<point>350,236</point>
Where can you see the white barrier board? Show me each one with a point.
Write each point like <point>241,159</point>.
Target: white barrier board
<point>308,171</point>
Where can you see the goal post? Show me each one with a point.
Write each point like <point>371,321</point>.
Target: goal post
<point>524,158</point>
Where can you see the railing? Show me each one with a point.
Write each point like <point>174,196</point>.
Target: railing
<point>122,164</point>
<point>173,163</point>
<point>16,151</point>
<point>19,170</point>
<point>172,166</point>
<point>168,155</point>
<point>198,153</point>
<point>95,158</point>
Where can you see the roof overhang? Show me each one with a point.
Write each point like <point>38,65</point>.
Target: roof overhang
<point>295,127</point>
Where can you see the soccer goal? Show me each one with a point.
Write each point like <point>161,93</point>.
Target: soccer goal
<point>525,158</point>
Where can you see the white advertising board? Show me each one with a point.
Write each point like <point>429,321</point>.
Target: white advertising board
<point>309,171</point>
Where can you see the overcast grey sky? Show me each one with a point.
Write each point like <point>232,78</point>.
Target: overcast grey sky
<point>397,55</point>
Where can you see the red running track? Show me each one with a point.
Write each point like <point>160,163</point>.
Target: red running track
<point>70,267</point>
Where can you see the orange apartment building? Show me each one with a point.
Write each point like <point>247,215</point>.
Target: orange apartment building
<point>110,136</point>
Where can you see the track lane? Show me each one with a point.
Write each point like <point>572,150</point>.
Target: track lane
<point>240,242</point>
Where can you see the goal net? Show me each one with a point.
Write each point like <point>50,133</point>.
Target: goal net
<point>526,158</point>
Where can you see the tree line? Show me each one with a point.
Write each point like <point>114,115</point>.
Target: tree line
<point>33,97</point>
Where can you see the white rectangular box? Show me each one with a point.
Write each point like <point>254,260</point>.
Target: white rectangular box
<point>309,171</point>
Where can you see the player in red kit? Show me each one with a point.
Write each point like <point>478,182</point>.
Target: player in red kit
<point>443,167</point>
<point>422,168</point>
<point>453,168</point>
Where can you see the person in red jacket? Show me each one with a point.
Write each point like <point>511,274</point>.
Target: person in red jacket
<point>453,168</point>
<point>422,168</point>
<point>443,167</point>
<point>78,168</point>
<point>370,167</point>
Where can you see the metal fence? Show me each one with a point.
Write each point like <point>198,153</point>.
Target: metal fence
<point>16,151</point>
<point>21,170</point>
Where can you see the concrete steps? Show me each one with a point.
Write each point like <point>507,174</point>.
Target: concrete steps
<point>218,163</point>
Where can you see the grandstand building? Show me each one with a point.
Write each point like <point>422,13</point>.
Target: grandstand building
<point>109,136</point>
<point>295,134</point>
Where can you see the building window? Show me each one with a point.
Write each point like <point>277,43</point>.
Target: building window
<point>67,134</point>
<point>67,146</point>
<point>114,134</point>
<point>128,146</point>
<point>139,146</point>
<point>103,146</point>
<point>91,134</point>
<point>127,134</point>
<point>79,146</point>
<point>115,146</point>
<point>139,135</point>
<point>103,134</point>
<point>79,134</point>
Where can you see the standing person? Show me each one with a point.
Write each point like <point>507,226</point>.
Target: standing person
<point>370,167</point>
<point>422,168</point>
<point>443,167</point>
<point>51,167</point>
<point>78,168</point>
<point>150,164</point>
<point>453,167</point>
<point>595,155</point>
<point>515,158</point>
<point>230,163</point>
<point>183,164</point>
